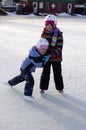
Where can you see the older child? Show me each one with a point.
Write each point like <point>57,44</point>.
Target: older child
<point>36,58</point>
<point>55,39</point>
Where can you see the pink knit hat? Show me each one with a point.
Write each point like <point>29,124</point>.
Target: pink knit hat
<point>52,23</point>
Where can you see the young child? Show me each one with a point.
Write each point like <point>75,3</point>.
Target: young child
<point>55,39</point>
<point>36,58</point>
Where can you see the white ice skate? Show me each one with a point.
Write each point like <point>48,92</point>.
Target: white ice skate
<point>42,91</point>
<point>61,91</point>
<point>29,98</point>
<point>7,84</point>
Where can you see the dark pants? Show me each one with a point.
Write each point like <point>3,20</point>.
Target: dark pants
<point>28,85</point>
<point>45,77</point>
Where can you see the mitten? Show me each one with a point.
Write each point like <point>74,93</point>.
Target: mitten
<point>46,58</point>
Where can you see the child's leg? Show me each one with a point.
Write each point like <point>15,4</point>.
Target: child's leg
<point>16,80</point>
<point>29,85</point>
<point>45,77</point>
<point>58,75</point>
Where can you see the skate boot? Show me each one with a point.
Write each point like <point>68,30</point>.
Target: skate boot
<point>42,91</point>
<point>29,98</point>
<point>8,83</point>
<point>60,91</point>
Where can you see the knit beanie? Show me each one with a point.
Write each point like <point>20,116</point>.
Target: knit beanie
<point>51,23</point>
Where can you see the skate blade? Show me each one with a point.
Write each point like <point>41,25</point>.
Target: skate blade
<point>29,98</point>
<point>7,84</point>
<point>61,91</point>
<point>42,92</point>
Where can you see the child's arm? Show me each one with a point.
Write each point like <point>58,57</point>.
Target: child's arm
<point>46,59</point>
<point>41,60</point>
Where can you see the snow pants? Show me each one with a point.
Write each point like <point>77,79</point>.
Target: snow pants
<point>28,85</point>
<point>57,72</point>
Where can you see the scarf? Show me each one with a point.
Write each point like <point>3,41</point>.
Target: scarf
<point>54,38</point>
<point>55,35</point>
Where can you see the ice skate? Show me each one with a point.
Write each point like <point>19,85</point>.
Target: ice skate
<point>61,91</point>
<point>42,91</point>
<point>7,84</point>
<point>29,98</point>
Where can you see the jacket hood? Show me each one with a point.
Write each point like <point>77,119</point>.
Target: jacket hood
<point>33,52</point>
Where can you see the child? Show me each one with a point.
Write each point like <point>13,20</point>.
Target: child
<point>55,39</point>
<point>36,58</point>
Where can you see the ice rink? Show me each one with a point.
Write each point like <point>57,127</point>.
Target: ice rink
<point>52,111</point>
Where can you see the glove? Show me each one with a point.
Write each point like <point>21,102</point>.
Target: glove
<point>46,58</point>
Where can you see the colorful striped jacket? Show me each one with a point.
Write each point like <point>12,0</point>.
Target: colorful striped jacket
<point>54,51</point>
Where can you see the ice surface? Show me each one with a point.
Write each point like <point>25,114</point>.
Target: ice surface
<point>51,111</point>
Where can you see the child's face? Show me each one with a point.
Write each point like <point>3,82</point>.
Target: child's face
<point>49,27</point>
<point>42,51</point>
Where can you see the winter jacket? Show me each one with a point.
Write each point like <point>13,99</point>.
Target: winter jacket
<point>54,51</point>
<point>34,59</point>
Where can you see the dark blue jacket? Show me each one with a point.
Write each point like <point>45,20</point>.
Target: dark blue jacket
<point>33,61</point>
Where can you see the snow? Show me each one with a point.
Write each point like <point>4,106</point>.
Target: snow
<point>52,111</point>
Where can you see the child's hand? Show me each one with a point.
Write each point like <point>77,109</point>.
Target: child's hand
<point>46,58</point>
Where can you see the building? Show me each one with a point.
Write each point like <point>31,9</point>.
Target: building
<point>53,6</point>
<point>43,6</point>
<point>50,6</point>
